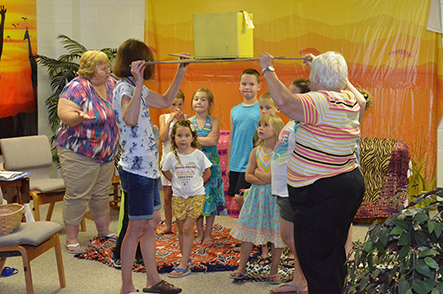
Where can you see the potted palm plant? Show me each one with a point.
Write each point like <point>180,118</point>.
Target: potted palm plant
<point>61,71</point>
<point>404,254</point>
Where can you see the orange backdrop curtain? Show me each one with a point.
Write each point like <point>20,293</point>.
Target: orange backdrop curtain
<point>388,49</point>
<point>18,69</point>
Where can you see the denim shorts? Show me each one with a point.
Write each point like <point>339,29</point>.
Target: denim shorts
<point>142,194</point>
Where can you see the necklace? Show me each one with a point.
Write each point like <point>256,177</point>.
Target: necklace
<point>130,81</point>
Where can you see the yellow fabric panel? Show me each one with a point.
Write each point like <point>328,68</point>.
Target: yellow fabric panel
<point>388,49</point>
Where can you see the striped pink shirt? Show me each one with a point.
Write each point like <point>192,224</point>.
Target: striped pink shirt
<point>325,144</point>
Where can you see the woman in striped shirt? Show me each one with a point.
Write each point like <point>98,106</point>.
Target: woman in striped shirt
<point>324,182</point>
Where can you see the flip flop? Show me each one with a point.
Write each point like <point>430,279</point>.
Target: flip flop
<point>8,271</point>
<point>294,287</point>
<point>274,279</point>
<point>74,248</point>
<point>238,275</point>
<point>110,236</point>
<point>265,261</point>
<point>287,262</point>
<point>184,272</point>
<point>162,287</point>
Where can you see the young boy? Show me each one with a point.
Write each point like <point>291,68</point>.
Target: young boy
<point>244,120</point>
<point>267,106</point>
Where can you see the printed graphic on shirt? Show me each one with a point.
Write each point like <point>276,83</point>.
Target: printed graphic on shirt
<point>185,172</point>
<point>281,150</point>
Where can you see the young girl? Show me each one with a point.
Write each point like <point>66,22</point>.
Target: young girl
<point>259,222</point>
<point>167,121</point>
<point>188,169</point>
<point>208,133</point>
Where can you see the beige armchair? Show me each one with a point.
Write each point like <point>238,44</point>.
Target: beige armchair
<point>32,154</point>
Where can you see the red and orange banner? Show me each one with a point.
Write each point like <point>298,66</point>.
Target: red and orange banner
<point>18,69</point>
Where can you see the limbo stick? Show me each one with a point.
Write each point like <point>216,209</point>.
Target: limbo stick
<point>189,59</point>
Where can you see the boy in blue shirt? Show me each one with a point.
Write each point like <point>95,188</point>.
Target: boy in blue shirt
<point>244,120</point>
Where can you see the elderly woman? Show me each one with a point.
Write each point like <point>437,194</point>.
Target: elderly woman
<point>324,182</point>
<point>87,142</point>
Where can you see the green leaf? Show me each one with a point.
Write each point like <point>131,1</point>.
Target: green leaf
<point>435,291</point>
<point>429,284</point>
<point>375,274</point>
<point>401,223</point>
<point>403,239</point>
<point>419,287</point>
<point>431,227</point>
<point>437,230</point>
<point>403,287</point>
<point>403,253</point>
<point>380,247</point>
<point>427,252</point>
<point>384,236</point>
<point>422,268</point>
<point>396,231</point>
<point>431,263</point>
<point>368,247</point>
<point>420,237</point>
<point>421,217</point>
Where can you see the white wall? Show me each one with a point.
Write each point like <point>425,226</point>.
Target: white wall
<point>96,24</point>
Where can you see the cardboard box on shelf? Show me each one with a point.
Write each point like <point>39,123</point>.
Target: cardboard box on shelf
<point>223,35</point>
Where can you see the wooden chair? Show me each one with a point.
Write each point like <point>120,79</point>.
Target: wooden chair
<point>32,154</point>
<point>29,241</point>
<point>114,203</point>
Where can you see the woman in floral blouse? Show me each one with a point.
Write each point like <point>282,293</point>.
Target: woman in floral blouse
<point>87,142</point>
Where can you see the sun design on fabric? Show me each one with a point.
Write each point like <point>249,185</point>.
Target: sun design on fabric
<point>185,172</point>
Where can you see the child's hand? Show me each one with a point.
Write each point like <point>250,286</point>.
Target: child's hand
<point>137,70</point>
<point>175,116</point>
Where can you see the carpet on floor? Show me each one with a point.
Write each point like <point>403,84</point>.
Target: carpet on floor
<point>222,255</point>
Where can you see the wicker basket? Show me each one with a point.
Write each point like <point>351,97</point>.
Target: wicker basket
<point>10,217</point>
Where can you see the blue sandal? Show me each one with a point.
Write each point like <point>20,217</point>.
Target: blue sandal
<point>184,272</point>
<point>8,271</point>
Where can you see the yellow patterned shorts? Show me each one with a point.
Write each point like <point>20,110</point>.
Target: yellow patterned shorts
<point>190,207</point>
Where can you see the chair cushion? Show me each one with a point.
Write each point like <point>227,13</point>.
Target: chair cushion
<point>30,233</point>
<point>48,184</point>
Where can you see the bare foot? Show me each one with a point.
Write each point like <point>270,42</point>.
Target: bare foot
<point>207,242</point>
<point>126,291</point>
<point>164,231</point>
<point>197,241</point>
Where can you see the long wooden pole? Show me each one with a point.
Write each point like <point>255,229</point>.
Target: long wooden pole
<point>188,59</point>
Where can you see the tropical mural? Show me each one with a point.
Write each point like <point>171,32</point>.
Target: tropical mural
<point>388,49</point>
<point>18,68</point>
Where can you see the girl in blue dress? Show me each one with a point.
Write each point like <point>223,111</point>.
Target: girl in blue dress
<point>208,131</point>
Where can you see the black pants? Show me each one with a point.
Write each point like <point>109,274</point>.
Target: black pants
<point>324,211</point>
<point>121,236</point>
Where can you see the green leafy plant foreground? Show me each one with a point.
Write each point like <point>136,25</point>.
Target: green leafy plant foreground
<point>404,254</point>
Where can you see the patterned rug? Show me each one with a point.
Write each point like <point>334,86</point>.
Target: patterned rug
<point>223,255</point>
